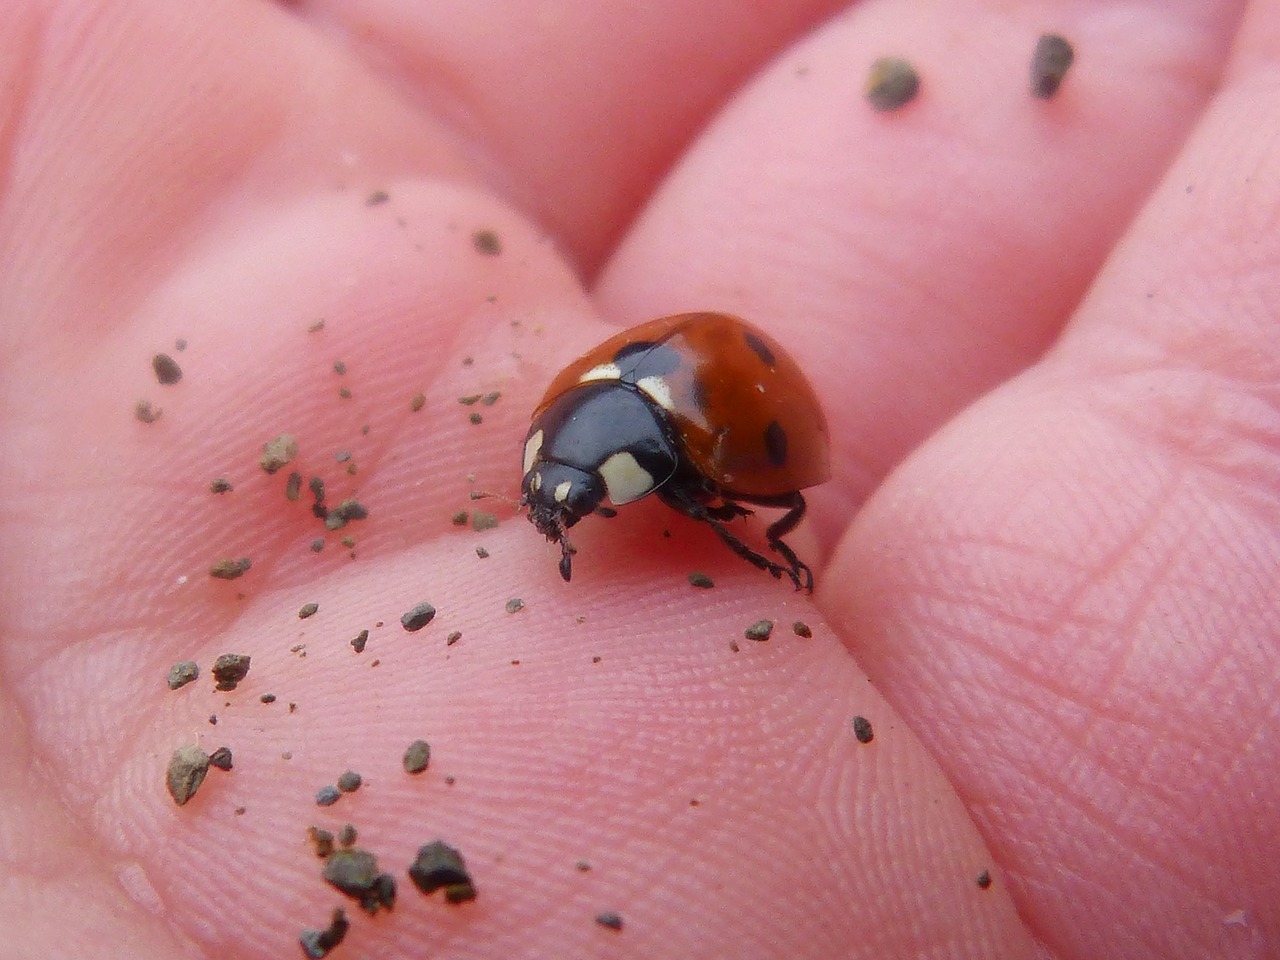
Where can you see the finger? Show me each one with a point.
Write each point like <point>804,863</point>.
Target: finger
<point>914,259</point>
<point>1066,588</point>
<point>250,126</point>
<point>579,108</point>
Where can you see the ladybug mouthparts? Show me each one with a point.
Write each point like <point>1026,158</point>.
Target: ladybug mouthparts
<point>551,523</point>
<point>557,498</point>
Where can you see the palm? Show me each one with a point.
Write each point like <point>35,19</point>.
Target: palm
<point>1063,597</point>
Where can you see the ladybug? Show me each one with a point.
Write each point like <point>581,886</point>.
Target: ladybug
<point>702,409</point>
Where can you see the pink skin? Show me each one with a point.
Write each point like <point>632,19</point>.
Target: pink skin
<point>1045,333</point>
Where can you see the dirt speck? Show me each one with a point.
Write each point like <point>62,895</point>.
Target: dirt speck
<point>166,369</point>
<point>417,757</point>
<point>1049,65</point>
<point>892,83</point>
<point>439,866</point>
<point>487,242</point>
<point>182,673</point>
<point>229,669</point>
<point>187,769</point>
<point>316,944</point>
<point>418,617</point>
<point>278,452</point>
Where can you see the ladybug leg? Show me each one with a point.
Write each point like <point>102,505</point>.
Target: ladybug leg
<point>728,511</point>
<point>713,517</point>
<point>801,575</point>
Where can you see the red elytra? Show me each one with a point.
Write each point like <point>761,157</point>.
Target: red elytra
<point>703,409</point>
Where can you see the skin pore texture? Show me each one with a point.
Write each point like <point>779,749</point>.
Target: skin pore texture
<point>1045,336</point>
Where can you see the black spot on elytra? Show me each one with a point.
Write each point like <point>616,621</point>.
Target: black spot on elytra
<point>760,349</point>
<point>775,442</point>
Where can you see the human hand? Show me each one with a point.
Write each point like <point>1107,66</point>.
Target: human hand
<point>1055,607</point>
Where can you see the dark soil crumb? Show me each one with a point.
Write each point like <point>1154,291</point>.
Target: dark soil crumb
<point>229,669</point>
<point>487,242</point>
<point>893,83</point>
<point>316,944</point>
<point>322,840</point>
<point>327,795</point>
<point>293,487</point>
<point>440,866</point>
<point>350,781</point>
<point>316,486</point>
<point>220,485</point>
<point>582,866</point>
<point>801,629</point>
<point>609,919</point>
<point>145,412</point>
<point>278,452</point>
<point>347,835</point>
<point>476,418</point>
<point>482,553</point>
<point>489,399</point>
<point>308,610</point>
<point>221,758</point>
<point>515,605</point>
<point>460,518</point>
<point>187,768</point>
<point>267,698</point>
<point>453,637</point>
<point>984,879</point>
<point>418,617</point>
<point>340,367</point>
<point>361,638</point>
<point>417,757</point>
<point>166,368</point>
<point>180,344</point>
<point>346,511</point>
<point>377,198</point>
<point>862,729</point>
<point>1049,65</point>
<point>316,327</point>
<point>182,673</point>
<point>417,402</point>
<point>761,630</point>
<point>228,569</point>
<point>701,581</point>
<point>481,521</point>
<point>317,544</point>
<point>355,873</point>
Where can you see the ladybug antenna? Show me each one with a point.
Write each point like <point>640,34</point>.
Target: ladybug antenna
<point>485,495</point>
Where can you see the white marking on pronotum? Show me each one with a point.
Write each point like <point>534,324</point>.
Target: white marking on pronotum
<point>562,490</point>
<point>535,482</point>
<point>532,447</point>
<point>606,371</point>
<point>625,479</point>
<point>659,391</point>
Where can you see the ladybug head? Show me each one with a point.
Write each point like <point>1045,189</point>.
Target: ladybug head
<point>558,496</point>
